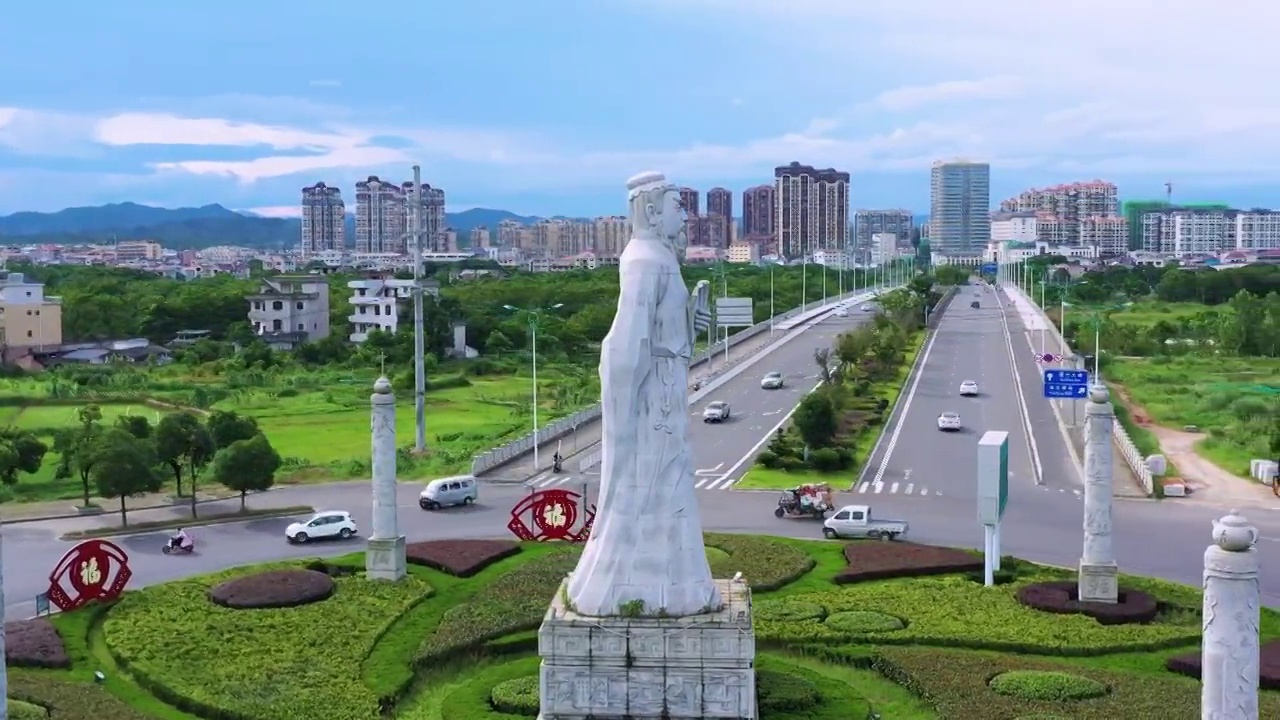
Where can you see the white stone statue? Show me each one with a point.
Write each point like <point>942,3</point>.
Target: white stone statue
<point>646,554</point>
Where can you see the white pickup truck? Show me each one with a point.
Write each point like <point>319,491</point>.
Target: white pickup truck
<point>855,521</point>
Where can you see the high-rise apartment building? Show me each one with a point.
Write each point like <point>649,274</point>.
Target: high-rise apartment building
<point>812,209</point>
<point>689,199</point>
<point>1068,212</point>
<point>1184,230</point>
<point>434,237</point>
<point>720,203</point>
<point>759,208</point>
<point>959,207</point>
<point>480,237</point>
<point>611,234</point>
<point>868,223</point>
<point>380,217</point>
<point>323,219</point>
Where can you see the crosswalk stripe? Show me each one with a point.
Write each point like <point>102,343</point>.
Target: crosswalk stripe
<point>862,488</point>
<point>909,488</point>
<point>893,488</point>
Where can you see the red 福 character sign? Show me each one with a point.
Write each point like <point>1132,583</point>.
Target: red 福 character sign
<point>551,515</point>
<point>93,570</point>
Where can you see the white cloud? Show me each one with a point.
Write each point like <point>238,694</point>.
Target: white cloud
<point>1175,86</point>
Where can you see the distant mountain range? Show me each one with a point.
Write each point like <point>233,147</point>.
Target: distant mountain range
<point>184,228</point>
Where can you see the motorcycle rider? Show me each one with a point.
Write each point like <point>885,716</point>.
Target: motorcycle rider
<point>556,462</point>
<point>181,540</point>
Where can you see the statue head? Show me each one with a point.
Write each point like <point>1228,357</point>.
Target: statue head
<point>656,212</point>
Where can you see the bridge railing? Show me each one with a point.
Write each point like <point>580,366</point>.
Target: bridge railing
<point>562,427</point>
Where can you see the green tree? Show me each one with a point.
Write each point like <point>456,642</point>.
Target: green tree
<point>226,427</point>
<point>497,343</point>
<point>124,466</point>
<point>136,425</point>
<point>815,419</point>
<point>20,452</point>
<point>74,447</point>
<point>184,444</point>
<point>247,466</point>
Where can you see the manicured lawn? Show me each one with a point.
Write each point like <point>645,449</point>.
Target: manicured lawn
<point>437,646</point>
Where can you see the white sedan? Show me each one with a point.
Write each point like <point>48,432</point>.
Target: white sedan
<point>968,388</point>
<point>949,422</point>
<point>771,381</point>
<point>322,526</point>
<point>717,411</point>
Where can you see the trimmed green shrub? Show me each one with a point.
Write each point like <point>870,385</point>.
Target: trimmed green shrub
<point>787,611</point>
<point>779,692</point>
<point>1046,685</point>
<point>259,663</point>
<point>765,563</point>
<point>64,699</point>
<point>768,459</point>
<point>21,710</point>
<point>825,459</point>
<point>863,621</point>
<point>517,697</point>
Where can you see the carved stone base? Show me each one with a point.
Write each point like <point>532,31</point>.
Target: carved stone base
<point>384,559</point>
<point>700,667</point>
<point>1098,582</point>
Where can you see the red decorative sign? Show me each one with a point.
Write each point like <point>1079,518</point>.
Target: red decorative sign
<point>92,570</point>
<point>552,515</point>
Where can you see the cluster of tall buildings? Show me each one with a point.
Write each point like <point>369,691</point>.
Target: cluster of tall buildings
<point>1078,214</point>
<point>384,218</point>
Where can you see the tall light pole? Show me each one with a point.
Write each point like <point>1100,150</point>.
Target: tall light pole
<point>419,342</point>
<point>534,315</point>
<point>771,266</point>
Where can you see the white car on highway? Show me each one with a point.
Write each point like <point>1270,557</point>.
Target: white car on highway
<point>867,308</point>
<point>717,411</point>
<point>949,421</point>
<point>968,388</point>
<point>771,381</point>
<point>323,526</point>
<point>842,312</point>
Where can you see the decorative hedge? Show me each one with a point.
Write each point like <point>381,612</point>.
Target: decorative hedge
<point>284,588</point>
<point>518,696</point>
<point>970,616</point>
<point>956,682</point>
<point>880,561</point>
<point>303,663</point>
<point>1047,686</point>
<point>766,564</point>
<point>65,699</point>
<point>1268,669</point>
<point>35,644</point>
<point>461,558</point>
<point>22,710</point>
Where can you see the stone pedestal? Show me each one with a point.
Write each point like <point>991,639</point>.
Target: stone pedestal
<point>1097,580</point>
<point>384,559</point>
<point>1230,652</point>
<point>700,667</point>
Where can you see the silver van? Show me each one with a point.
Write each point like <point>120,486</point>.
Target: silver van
<point>456,490</point>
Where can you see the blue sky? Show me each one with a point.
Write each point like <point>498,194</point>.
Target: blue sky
<point>546,107</point>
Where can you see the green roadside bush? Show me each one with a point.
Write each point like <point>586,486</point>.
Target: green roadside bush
<point>518,696</point>
<point>257,663</point>
<point>1047,685</point>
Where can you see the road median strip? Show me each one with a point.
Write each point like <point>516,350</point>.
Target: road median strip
<point>215,519</point>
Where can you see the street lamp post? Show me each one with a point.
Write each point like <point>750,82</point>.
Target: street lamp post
<point>771,313</point>
<point>534,315</point>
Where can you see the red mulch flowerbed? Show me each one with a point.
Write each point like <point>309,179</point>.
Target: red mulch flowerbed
<point>462,558</point>
<point>883,560</point>
<point>1268,670</point>
<point>34,644</point>
<point>273,589</point>
<point>1063,597</point>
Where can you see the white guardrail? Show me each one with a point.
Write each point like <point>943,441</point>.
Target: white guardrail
<point>556,429</point>
<point>1132,456</point>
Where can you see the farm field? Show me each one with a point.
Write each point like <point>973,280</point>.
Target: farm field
<point>320,428</point>
<point>1228,399</point>
<point>1149,312</point>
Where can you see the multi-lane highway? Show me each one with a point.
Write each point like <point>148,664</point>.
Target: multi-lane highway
<point>1043,521</point>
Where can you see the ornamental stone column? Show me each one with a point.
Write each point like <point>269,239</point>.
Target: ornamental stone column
<point>385,556</point>
<point>1230,650</point>
<point>1097,579</point>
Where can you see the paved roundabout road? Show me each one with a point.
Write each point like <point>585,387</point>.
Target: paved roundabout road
<point>1043,521</point>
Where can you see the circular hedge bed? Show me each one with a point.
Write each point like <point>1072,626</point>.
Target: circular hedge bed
<point>273,589</point>
<point>1046,686</point>
<point>864,621</point>
<point>1063,597</point>
<point>788,610</point>
<point>518,696</point>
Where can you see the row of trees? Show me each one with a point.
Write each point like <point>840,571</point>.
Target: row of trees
<point>133,457</point>
<point>830,421</point>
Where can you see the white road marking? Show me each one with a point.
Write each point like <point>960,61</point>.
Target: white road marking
<point>862,488</point>
<point>878,486</point>
<point>909,488</point>
<point>1022,398</point>
<point>893,488</point>
<point>906,409</point>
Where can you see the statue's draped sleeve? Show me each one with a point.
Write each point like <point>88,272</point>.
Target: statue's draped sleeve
<point>631,338</point>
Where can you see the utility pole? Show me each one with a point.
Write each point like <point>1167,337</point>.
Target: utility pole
<point>419,365</point>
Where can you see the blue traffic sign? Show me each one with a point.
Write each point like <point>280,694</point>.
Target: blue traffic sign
<point>1065,390</point>
<point>1067,377</point>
